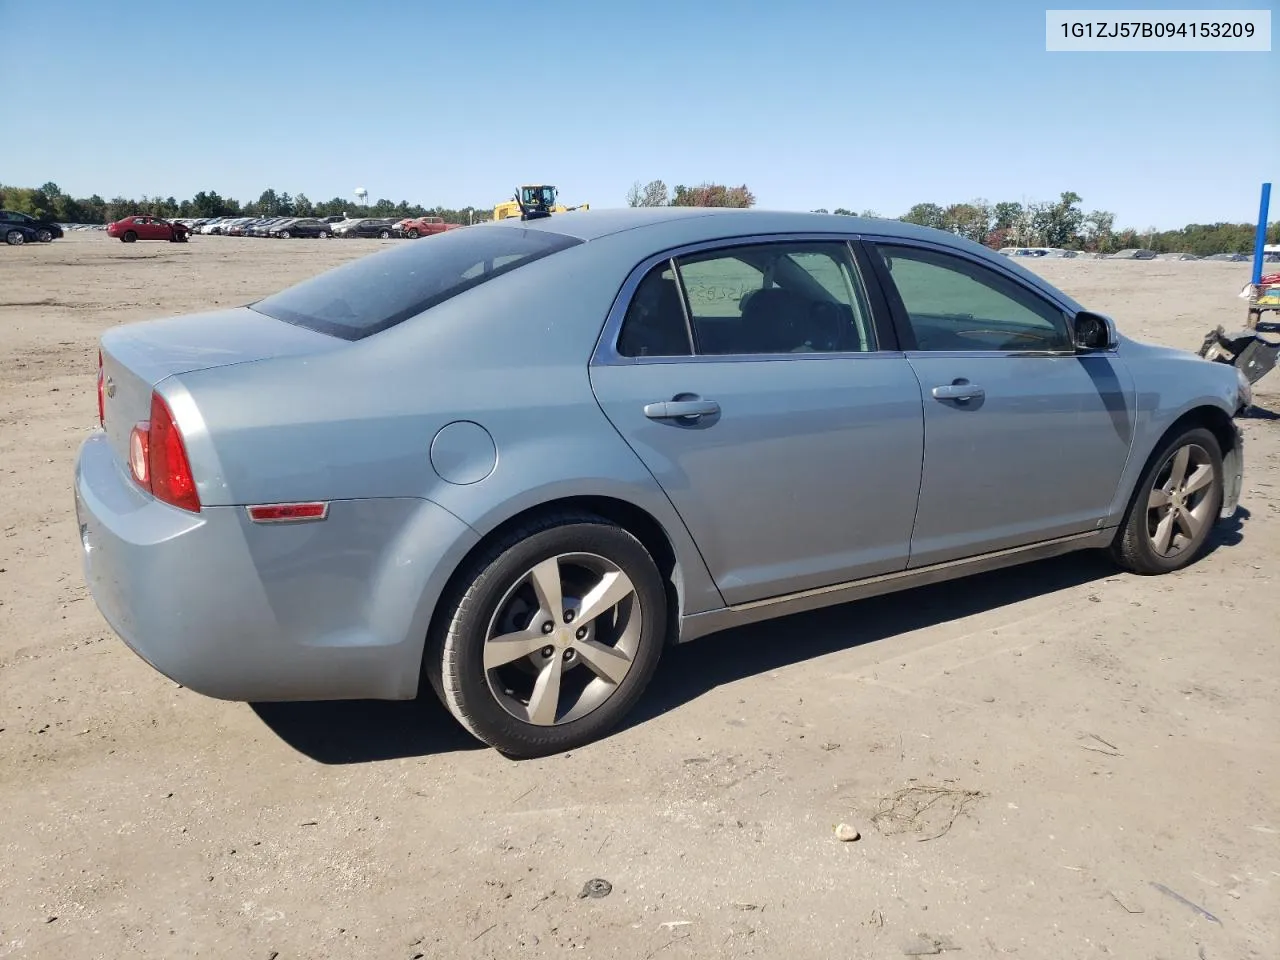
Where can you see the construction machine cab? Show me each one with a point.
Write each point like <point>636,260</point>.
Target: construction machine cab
<point>536,201</point>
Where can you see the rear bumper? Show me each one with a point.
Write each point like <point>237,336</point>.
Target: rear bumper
<point>336,609</point>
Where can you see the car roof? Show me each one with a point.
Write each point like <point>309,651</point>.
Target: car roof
<point>717,222</point>
<point>665,227</point>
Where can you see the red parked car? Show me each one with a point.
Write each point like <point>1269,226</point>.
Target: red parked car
<point>139,227</point>
<point>423,227</point>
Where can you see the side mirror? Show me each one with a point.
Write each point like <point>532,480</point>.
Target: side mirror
<point>1094,331</point>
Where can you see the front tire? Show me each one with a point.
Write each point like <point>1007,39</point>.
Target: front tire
<point>550,636</point>
<point>1175,506</point>
<point>412,234</point>
<point>384,234</point>
<point>323,235</point>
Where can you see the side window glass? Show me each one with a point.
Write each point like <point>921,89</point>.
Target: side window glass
<point>802,297</point>
<point>955,304</point>
<point>654,325</point>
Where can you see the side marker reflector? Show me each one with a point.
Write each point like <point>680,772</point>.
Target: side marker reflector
<point>287,512</point>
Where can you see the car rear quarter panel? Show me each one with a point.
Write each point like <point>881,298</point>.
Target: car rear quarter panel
<point>359,422</point>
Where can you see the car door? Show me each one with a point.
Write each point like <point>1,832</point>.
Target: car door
<point>1026,438</point>
<point>781,421</point>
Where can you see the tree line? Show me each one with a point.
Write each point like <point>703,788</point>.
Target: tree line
<point>1058,223</point>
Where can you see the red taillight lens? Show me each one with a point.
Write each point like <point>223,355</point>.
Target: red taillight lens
<point>158,458</point>
<point>102,400</point>
<point>171,479</point>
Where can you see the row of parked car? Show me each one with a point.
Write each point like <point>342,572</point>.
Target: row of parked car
<point>286,228</point>
<point>1131,254</point>
<point>141,227</point>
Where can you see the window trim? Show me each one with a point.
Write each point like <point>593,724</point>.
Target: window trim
<point>606,349</point>
<point>902,322</point>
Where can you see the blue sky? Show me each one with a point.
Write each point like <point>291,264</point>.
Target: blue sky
<point>811,103</point>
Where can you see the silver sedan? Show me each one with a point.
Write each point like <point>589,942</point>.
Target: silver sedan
<point>516,463</point>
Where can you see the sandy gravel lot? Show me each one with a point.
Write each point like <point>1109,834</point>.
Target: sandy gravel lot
<point>1098,755</point>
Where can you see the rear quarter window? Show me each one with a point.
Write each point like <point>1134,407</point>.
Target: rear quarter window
<point>378,291</point>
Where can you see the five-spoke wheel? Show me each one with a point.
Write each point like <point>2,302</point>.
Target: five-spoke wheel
<point>552,636</point>
<point>1175,506</point>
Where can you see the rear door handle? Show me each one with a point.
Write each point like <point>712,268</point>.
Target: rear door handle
<point>678,409</point>
<point>959,391</point>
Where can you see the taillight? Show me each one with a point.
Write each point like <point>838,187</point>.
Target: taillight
<point>139,442</point>
<point>102,402</point>
<point>158,458</point>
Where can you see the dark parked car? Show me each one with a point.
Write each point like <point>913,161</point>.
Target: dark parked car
<point>302,227</point>
<point>364,228</point>
<point>15,234</point>
<point>44,231</point>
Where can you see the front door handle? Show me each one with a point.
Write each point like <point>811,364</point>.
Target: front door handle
<point>959,391</point>
<point>681,409</point>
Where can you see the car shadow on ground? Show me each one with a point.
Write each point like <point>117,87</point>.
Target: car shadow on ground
<point>689,671</point>
<point>362,731</point>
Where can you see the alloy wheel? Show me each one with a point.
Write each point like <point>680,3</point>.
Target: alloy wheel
<point>562,640</point>
<point>1179,508</point>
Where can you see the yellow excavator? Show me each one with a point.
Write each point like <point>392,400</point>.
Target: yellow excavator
<point>533,202</point>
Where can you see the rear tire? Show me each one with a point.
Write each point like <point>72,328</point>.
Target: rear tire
<point>1174,507</point>
<point>129,237</point>
<point>44,236</point>
<point>15,238</point>
<point>604,650</point>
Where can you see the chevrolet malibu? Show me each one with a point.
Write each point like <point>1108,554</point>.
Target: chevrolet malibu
<point>517,463</point>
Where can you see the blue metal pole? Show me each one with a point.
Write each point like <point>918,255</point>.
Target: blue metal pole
<point>1261,238</point>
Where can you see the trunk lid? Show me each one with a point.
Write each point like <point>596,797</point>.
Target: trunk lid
<point>137,356</point>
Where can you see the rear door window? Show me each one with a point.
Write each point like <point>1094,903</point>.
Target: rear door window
<point>377,292</point>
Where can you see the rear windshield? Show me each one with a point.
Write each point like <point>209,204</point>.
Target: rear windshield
<point>378,291</point>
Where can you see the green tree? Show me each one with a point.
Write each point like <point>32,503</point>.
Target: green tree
<point>119,207</point>
<point>1006,215</point>
<point>842,212</point>
<point>1096,229</point>
<point>1063,221</point>
<point>268,203</point>
<point>969,220</point>
<point>926,215</point>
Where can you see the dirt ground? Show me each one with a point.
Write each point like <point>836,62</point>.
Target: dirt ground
<point>1052,762</point>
